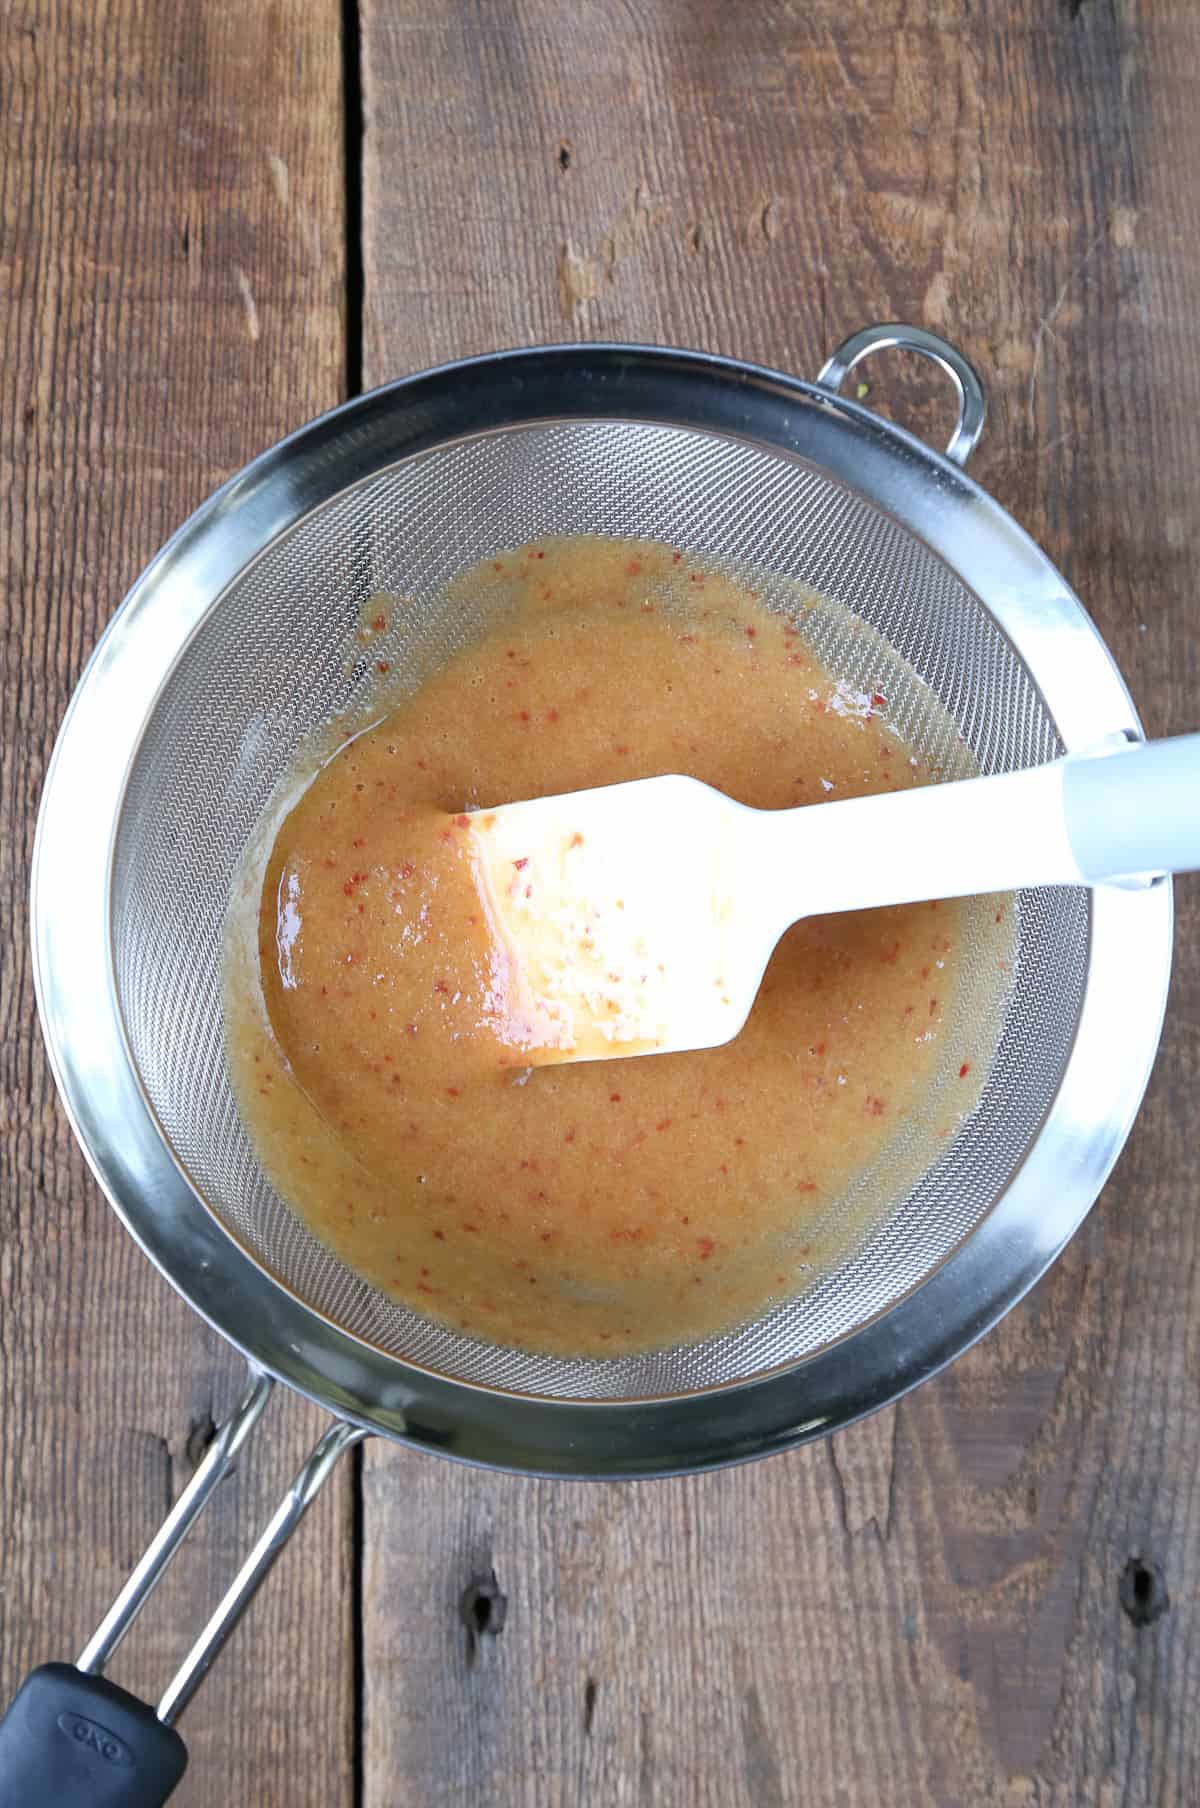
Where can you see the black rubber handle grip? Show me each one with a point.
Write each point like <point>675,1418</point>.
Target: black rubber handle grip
<point>76,1741</point>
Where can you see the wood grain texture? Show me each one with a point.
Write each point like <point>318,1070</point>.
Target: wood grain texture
<point>925,1609</point>
<point>171,284</point>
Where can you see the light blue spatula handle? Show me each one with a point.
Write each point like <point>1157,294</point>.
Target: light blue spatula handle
<point>1136,810</point>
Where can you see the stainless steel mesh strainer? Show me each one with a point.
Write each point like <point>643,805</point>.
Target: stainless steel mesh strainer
<point>232,648</point>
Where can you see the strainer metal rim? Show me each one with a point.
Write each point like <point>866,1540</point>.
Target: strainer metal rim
<point>1067,1162</point>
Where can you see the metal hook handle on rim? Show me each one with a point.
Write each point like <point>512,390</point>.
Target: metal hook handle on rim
<point>73,1739</point>
<point>972,403</point>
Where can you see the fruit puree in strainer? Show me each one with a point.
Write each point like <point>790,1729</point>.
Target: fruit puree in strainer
<point>611,1207</point>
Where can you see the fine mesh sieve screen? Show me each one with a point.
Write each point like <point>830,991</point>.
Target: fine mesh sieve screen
<point>268,665</point>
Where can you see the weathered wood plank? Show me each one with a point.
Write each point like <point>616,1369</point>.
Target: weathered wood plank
<point>171,273</point>
<point>926,1609</point>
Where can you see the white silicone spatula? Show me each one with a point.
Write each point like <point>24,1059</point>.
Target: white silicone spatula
<point>638,918</point>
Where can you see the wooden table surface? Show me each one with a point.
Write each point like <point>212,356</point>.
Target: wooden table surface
<point>220,219</point>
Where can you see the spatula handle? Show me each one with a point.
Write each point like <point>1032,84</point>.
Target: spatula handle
<point>1137,810</point>
<point>1077,821</point>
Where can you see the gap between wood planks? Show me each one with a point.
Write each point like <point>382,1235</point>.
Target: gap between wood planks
<point>352,151</point>
<point>352,154</point>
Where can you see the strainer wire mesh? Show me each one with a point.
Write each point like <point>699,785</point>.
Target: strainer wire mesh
<point>268,666</point>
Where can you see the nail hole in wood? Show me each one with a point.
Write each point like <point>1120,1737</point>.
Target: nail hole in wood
<point>590,1688</point>
<point>564,155</point>
<point>484,1609</point>
<point>1143,1592</point>
<point>201,1431</point>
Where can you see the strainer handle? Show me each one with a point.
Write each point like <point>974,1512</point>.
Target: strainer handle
<point>972,403</point>
<point>75,1741</point>
<point>72,1738</point>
